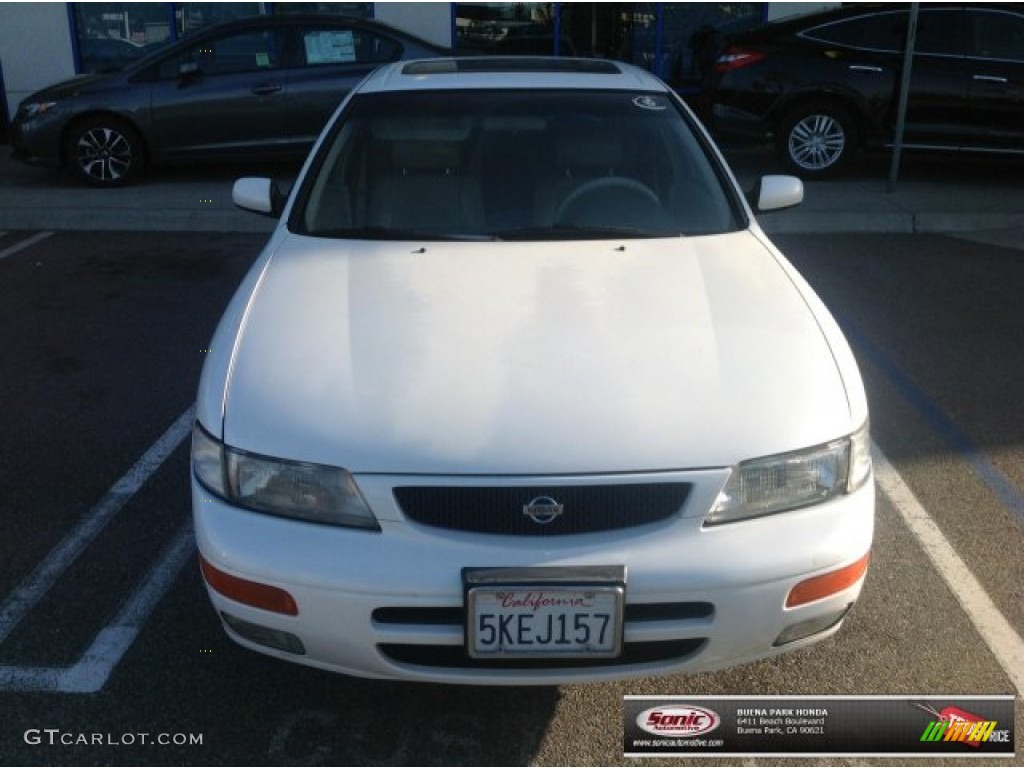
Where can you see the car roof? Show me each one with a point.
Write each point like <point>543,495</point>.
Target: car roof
<point>510,72</point>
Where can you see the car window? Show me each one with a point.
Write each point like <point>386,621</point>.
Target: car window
<point>346,46</point>
<point>940,32</point>
<point>877,32</point>
<point>997,35</point>
<point>249,51</point>
<point>509,164</point>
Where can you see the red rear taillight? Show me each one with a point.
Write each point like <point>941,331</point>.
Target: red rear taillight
<point>735,58</point>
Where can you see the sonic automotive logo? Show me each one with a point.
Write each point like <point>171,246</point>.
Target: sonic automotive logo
<point>678,720</point>
<point>959,725</point>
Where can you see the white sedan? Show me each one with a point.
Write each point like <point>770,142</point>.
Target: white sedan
<point>519,393</point>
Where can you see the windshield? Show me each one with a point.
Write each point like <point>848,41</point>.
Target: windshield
<point>508,165</point>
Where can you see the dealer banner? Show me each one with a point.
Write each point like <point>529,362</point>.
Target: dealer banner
<point>957,727</point>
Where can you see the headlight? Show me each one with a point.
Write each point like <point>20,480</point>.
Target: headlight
<point>208,461</point>
<point>792,480</point>
<point>313,492</point>
<point>37,108</point>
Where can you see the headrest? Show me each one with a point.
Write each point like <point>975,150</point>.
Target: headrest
<point>425,155</point>
<point>590,148</point>
<point>422,128</point>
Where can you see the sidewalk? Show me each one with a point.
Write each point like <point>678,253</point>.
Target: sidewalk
<point>934,194</point>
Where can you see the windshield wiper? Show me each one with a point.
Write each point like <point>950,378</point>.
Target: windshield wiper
<point>392,233</point>
<point>579,232</point>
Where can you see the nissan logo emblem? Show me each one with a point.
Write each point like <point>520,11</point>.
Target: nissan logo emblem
<point>543,510</point>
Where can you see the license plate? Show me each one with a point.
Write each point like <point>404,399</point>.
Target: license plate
<point>544,622</point>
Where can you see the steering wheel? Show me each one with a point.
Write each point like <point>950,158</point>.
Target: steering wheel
<point>605,183</point>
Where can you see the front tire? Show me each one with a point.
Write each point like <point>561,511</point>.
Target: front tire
<point>817,140</point>
<point>105,152</point>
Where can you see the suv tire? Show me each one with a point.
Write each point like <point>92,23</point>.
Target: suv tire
<point>817,139</point>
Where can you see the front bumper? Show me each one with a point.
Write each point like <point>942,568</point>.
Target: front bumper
<point>389,604</point>
<point>36,142</point>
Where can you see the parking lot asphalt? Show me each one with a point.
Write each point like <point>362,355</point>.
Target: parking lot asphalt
<point>934,193</point>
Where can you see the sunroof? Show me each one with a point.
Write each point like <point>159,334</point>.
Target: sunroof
<point>511,64</point>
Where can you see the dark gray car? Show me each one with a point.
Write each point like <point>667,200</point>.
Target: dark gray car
<point>261,87</point>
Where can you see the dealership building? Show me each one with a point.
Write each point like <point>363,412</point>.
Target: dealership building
<point>42,43</point>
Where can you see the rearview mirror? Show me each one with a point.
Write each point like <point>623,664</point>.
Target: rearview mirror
<point>775,193</point>
<point>258,195</point>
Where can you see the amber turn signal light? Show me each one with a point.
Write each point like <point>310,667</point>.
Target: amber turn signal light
<point>248,592</point>
<point>827,584</point>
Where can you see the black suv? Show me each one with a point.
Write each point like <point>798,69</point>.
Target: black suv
<point>821,86</point>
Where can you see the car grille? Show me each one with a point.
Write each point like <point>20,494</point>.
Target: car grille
<point>455,657</point>
<point>500,510</point>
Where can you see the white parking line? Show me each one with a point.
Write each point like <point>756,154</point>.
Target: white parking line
<point>93,669</point>
<point>32,589</point>
<point>1005,644</point>
<point>28,242</point>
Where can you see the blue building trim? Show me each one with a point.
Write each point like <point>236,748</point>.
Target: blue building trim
<point>659,39</point>
<point>76,50</point>
<point>558,30</point>
<point>172,24</point>
<point>5,118</point>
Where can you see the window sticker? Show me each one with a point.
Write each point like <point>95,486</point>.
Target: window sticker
<point>648,102</point>
<point>262,60</point>
<point>330,47</point>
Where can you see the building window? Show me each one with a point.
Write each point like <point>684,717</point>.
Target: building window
<point>109,36</point>
<point>191,17</point>
<point>113,35</point>
<point>676,41</point>
<point>506,28</point>
<point>357,10</point>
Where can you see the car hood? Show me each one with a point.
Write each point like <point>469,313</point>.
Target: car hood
<point>66,88</point>
<point>527,358</point>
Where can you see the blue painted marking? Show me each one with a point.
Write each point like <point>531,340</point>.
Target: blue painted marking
<point>982,466</point>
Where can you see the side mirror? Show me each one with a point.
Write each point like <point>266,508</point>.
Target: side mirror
<point>775,193</point>
<point>188,71</point>
<point>258,195</point>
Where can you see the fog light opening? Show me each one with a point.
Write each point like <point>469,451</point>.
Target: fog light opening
<point>268,636</point>
<point>814,626</point>
<point>828,584</point>
<point>248,592</point>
